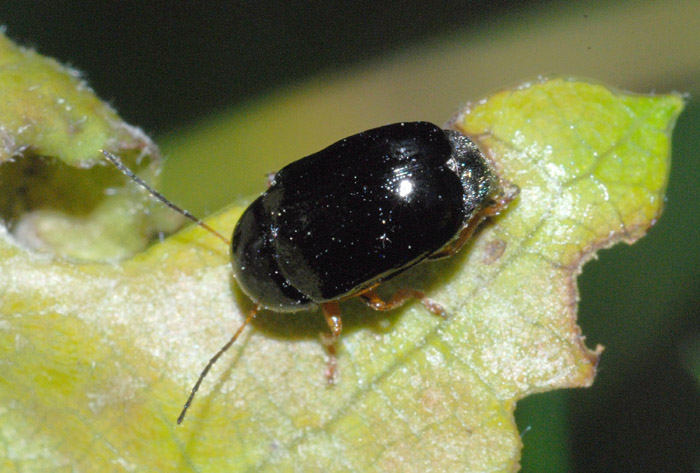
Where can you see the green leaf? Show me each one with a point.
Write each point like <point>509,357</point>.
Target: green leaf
<point>51,130</point>
<point>98,358</point>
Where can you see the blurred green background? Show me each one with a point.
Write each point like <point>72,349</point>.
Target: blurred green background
<point>233,90</point>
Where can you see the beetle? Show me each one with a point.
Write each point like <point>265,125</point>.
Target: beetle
<point>339,222</point>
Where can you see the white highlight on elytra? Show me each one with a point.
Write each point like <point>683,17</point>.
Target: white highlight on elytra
<point>405,187</point>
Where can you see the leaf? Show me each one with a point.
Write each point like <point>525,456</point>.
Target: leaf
<point>100,357</point>
<point>52,198</point>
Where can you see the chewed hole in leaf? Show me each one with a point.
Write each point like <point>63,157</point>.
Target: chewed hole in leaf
<point>86,213</point>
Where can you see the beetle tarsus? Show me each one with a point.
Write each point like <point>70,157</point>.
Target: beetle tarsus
<point>329,342</point>
<point>400,297</point>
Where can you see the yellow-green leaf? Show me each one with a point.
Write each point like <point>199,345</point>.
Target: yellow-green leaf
<point>98,358</point>
<point>52,127</point>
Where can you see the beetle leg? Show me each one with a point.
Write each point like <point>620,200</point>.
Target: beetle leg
<point>455,246</point>
<point>374,300</point>
<point>331,311</point>
<point>506,196</point>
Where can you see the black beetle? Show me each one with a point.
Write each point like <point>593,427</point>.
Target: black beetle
<point>335,224</point>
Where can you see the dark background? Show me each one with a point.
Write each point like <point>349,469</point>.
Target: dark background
<point>167,68</point>
<point>168,64</point>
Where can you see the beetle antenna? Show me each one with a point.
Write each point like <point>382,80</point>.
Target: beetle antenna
<point>251,316</point>
<point>129,173</point>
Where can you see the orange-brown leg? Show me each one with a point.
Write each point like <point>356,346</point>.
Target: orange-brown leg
<point>455,246</point>
<point>331,311</point>
<point>374,300</point>
<point>466,233</point>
